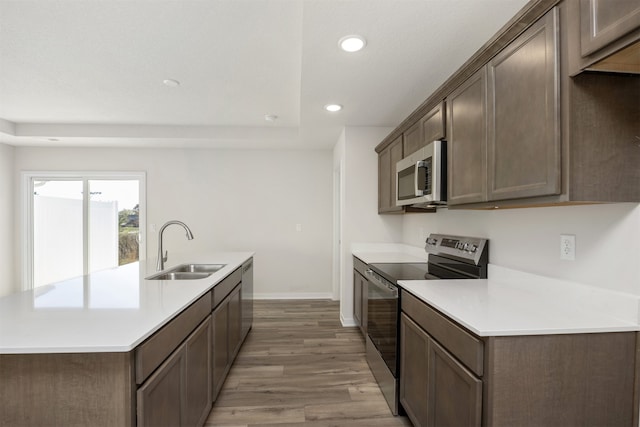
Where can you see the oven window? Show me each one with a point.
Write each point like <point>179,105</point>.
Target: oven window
<point>382,324</point>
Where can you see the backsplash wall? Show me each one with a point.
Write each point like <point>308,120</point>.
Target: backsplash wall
<point>607,236</point>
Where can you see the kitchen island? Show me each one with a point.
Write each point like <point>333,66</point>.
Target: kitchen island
<point>114,348</point>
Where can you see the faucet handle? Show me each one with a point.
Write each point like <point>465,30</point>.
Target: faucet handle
<point>166,256</point>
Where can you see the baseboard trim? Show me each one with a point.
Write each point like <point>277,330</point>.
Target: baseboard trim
<point>301,295</point>
<point>347,322</point>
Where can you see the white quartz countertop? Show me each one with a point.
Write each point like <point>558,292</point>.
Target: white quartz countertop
<point>512,302</point>
<point>516,303</point>
<point>108,311</point>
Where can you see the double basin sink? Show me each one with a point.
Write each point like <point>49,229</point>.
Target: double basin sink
<point>187,272</point>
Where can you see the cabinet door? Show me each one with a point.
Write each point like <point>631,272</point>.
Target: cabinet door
<point>524,115</point>
<point>455,394</point>
<point>604,21</point>
<point>467,141</point>
<point>161,399</point>
<point>235,324</point>
<point>198,375</point>
<point>220,353</point>
<point>414,371</point>
<point>433,125</point>
<point>412,139</point>
<point>357,298</point>
<point>387,179</point>
<point>246,297</point>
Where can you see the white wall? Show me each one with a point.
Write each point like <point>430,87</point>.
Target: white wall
<point>231,200</point>
<point>360,223</point>
<point>8,281</point>
<point>607,240</point>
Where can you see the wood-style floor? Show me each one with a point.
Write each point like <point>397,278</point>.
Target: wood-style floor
<point>300,367</point>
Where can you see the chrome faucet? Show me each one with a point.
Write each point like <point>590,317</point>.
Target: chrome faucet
<point>163,258</point>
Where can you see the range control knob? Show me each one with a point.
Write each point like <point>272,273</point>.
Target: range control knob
<point>473,248</point>
<point>465,247</point>
<point>431,241</point>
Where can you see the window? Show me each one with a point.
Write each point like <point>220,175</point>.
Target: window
<point>81,222</point>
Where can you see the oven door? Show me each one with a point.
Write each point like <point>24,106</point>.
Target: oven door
<point>382,323</point>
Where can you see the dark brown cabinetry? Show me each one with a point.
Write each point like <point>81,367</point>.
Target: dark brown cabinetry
<point>523,109</point>
<point>161,399</point>
<point>467,141</point>
<point>602,22</point>
<point>429,128</point>
<point>526,126</point>
<point>360,294</point>
<point>359,299</point>
<point>504,123</point>
<point>436,389</point>
<point>220,350</point>
<point>387,179</point>
<point>226,328</point>
<point>449,377</point>
<point>178,392</point>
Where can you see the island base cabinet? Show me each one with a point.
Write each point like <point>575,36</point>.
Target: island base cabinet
<point>161,398</point>
<point>219,321</point>
<point>71,390</point>
<point>178,393</point>
<point>435,389</point>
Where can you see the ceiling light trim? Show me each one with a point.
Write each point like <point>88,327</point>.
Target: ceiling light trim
<point>352,43</point>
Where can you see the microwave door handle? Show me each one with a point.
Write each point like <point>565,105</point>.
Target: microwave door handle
<point>418,190</point>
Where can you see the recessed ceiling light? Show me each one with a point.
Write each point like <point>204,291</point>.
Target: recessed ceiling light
<point>352,43</point>
<point>171,82</point>
<point>333,107</point>
<point>270,118</point>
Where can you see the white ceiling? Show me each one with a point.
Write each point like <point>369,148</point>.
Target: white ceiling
<point>90,72</point>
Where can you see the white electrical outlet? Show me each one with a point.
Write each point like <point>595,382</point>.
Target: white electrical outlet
<point>568,247</point>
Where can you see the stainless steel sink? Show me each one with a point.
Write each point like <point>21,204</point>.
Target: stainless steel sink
<point>188,272</point>
<point>179,275</point>
<point>198,268</point>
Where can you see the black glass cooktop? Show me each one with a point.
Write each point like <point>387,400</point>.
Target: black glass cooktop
<point>400,271</point>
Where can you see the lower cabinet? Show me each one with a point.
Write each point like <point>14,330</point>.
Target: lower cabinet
<point>450,377</point>
<point>435,389</point>
<point>178,392</point>
<point>360,294</point>
<point>220,349</point>
<point>226,327</point>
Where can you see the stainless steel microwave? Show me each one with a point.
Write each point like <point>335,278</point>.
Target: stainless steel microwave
<point>422,177</point>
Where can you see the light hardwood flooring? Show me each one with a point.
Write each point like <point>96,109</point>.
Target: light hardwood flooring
<point>300,367</point>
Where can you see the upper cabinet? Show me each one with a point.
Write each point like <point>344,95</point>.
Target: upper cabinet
<point>605,21</point>
<point>387,179</point>
<point>523,109</point>
<point>504,123</point>
<point>604,35</point>
<point>526,126</point>
<point>467,141</point>
<point>430,128</point>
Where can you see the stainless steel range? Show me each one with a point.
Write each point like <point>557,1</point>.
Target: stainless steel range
<point>450,257</point>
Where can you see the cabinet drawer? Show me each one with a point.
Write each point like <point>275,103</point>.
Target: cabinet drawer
<point>464,346</point>
<point>151,353</point>
<point>360,266</point>
<point>224,288</point>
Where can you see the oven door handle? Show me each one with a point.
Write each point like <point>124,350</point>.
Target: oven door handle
<point>393,290</point>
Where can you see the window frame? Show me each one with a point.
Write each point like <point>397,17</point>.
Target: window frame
<point>27,179</point>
